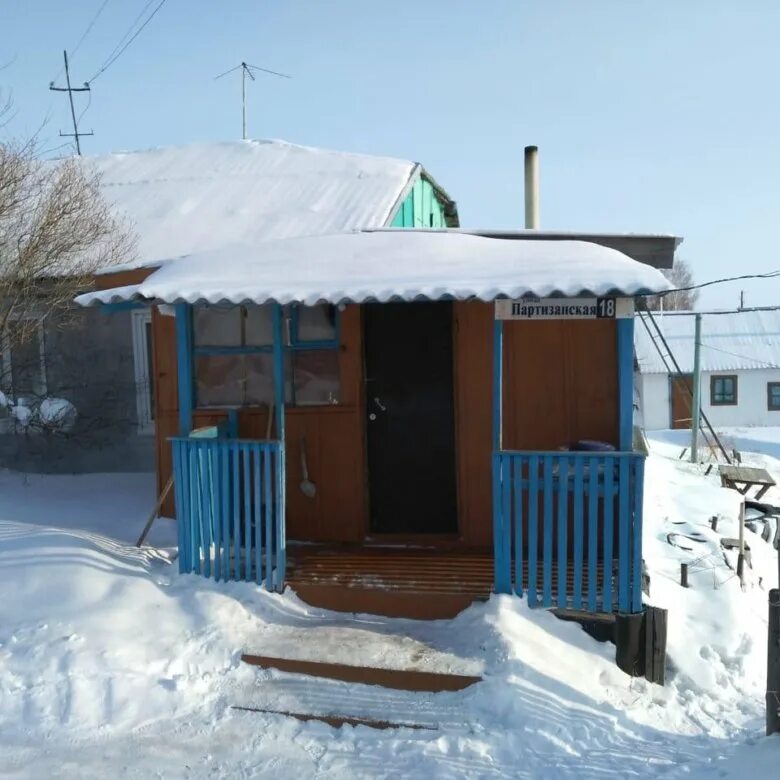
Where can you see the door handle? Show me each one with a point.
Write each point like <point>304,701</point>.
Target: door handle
<point>381,406</point>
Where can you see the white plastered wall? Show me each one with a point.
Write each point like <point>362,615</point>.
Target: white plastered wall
<point>750,410</point>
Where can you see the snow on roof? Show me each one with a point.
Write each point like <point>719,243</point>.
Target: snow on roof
<point>186,199</point>
<point>731,341</point>
<point>382,266</point>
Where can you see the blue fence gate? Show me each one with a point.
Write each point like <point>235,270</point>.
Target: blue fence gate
<point>230,509</point>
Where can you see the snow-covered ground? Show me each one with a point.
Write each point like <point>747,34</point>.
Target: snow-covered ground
<point>114,665</point>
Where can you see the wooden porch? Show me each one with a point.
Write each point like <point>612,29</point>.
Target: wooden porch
<point>413,582</point>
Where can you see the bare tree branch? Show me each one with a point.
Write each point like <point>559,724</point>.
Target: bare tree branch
<point>677,300</point>
<point>55,232</point>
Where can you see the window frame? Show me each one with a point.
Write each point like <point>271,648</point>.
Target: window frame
<point>141,319</point>
<point>713,379</point>
<point>9,424</point>
<point>290,329</point>
<point>769,406</point>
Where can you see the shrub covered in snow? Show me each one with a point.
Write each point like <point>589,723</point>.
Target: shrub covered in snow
<point>57,414</point>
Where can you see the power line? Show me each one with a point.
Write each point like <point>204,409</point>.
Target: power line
<point>84,35</point>
<point>768,275</point>
<point>741,357</point>
<point>115,55</point>
<point>129,30</point>
<point>89,27</point>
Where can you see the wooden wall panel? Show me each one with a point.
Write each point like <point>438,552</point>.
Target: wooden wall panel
<point>560,385</point>
<point>121,278</point>
<point>473,339</point>
<point>535,402</point>
<point>592,380</point>
<point>334,435</point>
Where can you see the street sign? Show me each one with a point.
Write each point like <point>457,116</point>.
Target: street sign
<point>607,308</point>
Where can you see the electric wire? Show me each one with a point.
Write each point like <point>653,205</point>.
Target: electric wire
<point>120,49</point>
<point>83,36</point>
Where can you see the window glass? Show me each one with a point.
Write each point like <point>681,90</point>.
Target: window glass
<point>259,325</point>
<point>217,326</point>
<point>317,323</point>
<point>316,377</point>
<point>724,390</point>
<point>774,395</point>
<point>246,378</point>
<point>236,380</point>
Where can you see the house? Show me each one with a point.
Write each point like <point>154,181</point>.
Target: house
<point>179,200</point>
<point>400,421</point>
<point>740,368</point>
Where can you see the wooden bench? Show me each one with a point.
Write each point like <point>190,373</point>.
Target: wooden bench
<point>742,478</point>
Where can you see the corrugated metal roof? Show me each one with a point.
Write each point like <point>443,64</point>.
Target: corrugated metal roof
<point>186,199</point>
<point>399,265</point>
<point>731,341</point>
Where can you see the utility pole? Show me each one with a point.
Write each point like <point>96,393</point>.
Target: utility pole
<point>741,299</point>
<point>246,70</point>
<point>70,90</point>
<point>696,406</point>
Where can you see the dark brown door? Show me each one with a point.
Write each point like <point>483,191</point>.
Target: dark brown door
<point>411,419</point>
<point>681,390</point>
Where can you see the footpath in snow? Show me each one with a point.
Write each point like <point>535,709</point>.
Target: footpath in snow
<point>114,665</point>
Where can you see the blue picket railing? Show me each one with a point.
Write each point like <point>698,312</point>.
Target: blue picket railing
<point>567,528</point>
<point>230,509</point>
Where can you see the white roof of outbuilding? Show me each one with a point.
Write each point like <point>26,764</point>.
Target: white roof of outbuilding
<point>397,265</point>
<point>185,199</point>
<point>731,341</point>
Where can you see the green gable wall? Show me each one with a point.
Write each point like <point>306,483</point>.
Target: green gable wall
<point>421,208</point>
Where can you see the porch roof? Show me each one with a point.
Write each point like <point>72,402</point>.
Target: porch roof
<point>402,265</point>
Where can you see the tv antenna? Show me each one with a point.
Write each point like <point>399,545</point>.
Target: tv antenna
<point>247,70</point>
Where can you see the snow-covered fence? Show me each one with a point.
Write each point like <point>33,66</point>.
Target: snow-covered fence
<point>568,528</point>
<point>230,509</point>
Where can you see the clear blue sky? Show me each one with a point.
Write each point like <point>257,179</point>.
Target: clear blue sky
<point>650,115</point>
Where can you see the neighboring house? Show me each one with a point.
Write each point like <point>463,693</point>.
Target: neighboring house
<point>179,200</point>
<point>740,369</point>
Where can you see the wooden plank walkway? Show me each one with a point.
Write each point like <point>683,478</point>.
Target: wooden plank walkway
<point>418,583</point>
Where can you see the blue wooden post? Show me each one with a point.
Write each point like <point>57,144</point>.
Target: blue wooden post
<point>625,354</point>
<point>184,366</point>
<point>279,393</point>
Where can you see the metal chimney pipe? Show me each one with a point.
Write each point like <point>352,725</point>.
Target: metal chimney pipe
<point>532,187</point>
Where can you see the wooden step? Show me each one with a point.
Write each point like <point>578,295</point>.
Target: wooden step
<point>394,603</point>
<point>337,721</point>
<point>398,679</point>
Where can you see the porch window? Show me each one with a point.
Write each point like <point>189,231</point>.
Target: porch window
<point>233,351</point>
<point>723,390</point>
<point>773,396</point>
